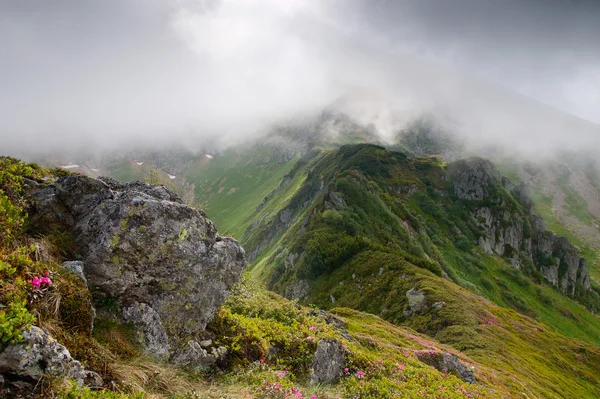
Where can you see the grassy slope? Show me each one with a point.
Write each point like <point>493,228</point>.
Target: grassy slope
<point>364,276</point>
<point>230,186</point>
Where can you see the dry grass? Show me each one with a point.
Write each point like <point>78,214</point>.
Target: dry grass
<point>164,381</point>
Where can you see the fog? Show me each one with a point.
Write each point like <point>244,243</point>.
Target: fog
<point>113,74</point>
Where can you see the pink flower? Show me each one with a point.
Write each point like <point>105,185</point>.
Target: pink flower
<point>36,282</point>
<point>313,397</point>
<point>360,374</point>
<point>311,339</point>
<point>261,361</point>
<point>46,280</point>
<point>346,370</point>
<point>280,374</point>
<point>312,328</point>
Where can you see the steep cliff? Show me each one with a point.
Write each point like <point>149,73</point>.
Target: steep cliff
<point>511,228</point>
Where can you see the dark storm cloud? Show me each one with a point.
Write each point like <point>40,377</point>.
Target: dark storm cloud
<point>109,72</point>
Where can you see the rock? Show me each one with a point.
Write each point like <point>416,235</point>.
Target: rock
<point>76,268</point>
<point>328,362</point>
<point>446,363</point>
<point>41,354</point>
<point>337,201</point>
<point>299,290</point>
<point>510,227</point>
<point>161,261</point>
<point>473,178</point>
<point>416,302</point>
<point>206,343</point>
<point>560,263</point>
<point>194,356</point>
<point>150,332</point>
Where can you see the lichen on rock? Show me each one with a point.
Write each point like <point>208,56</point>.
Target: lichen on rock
<point>143,248</point>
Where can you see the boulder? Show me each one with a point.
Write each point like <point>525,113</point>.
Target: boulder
<point>160,261</point>
<point>328,362</point>
<point>40,354</point>
<point>446,363</point>
<point>417,301</point>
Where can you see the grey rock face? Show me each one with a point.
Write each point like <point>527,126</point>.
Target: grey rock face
<point>560,263</point>
<point>472,178</point>
<point>41,354</point>
<point>510,227</point>
<point>447,363</point>
<point>161,261</point>
<point>150,331</point>
<point>328,362</point>
<point>299,290</point>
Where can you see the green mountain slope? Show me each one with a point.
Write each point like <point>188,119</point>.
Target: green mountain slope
<point>378,231</point>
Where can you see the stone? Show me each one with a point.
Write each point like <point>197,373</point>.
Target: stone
<point>416,302</point>
<point>150,332</point>
<point>195,357</point>
<point>328,362</point>
<point>337,201</point>
<point>160,261</point>
<point>76,268</point>
<point>299,290</point>
<point>40,354</point>
<point>446,363</point>
<point>473,178</point>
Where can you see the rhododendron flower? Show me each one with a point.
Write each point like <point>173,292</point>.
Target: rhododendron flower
<point>346,370</point>
<point>46,280</point>
<point>311,339</point>
<point>360,374</point>
<point>36,282</point>
<point>312,328</point>
<point>261,361</point>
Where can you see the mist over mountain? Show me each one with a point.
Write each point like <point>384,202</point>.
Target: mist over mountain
<point>119,74</point>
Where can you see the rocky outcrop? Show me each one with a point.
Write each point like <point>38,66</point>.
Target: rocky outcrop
<point>160,261</point>
<point>417,301</point>
<point>328,362</point>
<point>560,263</point>
<point>509,227</point>
<point>40,354</point>
<point>473,178</point>
<point>446,363</point>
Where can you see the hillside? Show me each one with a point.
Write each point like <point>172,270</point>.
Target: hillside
<point>349,229</point>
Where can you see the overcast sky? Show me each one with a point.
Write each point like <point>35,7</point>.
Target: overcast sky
<point>98,72</point>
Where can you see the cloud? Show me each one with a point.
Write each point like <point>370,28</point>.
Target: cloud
<point>119,73</point>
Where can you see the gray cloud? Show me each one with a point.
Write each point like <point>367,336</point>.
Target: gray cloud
<point>116,72</point>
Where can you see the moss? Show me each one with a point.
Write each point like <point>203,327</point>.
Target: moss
<point>182,234</point>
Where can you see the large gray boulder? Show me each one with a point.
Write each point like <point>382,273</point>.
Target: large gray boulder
<point>40,354</point>
<point>160,261</point>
